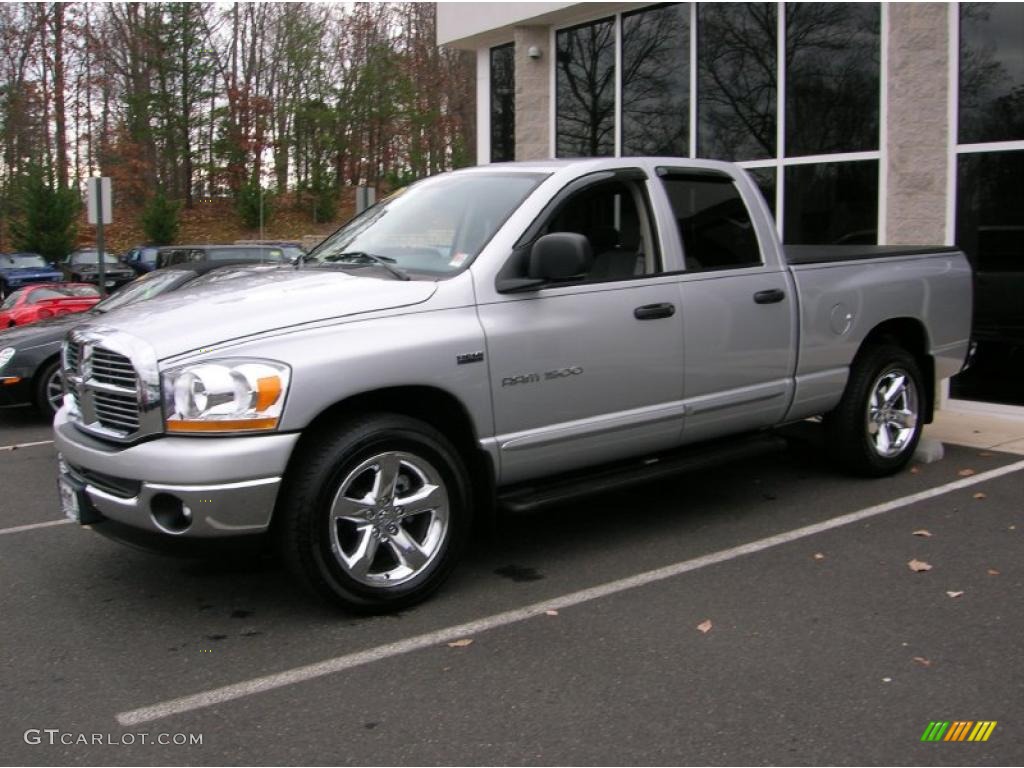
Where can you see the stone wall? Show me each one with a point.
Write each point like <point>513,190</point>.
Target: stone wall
<point>918,122</point>
<point>533,94</point>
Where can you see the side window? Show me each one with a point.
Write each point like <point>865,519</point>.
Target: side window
<point>714,224</point>
<point>614,217</point>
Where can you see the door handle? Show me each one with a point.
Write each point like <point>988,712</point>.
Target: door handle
<point>772,296</point>
<point>654,311</point>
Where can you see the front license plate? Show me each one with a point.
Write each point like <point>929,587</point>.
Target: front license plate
<point>69,501</point>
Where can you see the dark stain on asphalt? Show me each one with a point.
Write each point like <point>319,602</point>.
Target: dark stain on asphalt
<point>215,637</point>
<point>251,633</point>
<point>370,726</point>
<point>519,573</point>
<point>240,613</point>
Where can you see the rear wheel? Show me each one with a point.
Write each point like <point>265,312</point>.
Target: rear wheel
<point>50,389</point>
<point>877,425</point>
<point>376,513</point>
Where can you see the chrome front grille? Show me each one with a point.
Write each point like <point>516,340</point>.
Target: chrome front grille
<point>113,382</point>
<point>111,368</point>
<point>116,411</point>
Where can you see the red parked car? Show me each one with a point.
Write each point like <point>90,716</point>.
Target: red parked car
<point>43,300</point>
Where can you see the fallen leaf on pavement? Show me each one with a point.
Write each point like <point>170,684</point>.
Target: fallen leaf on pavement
<point>956,593</point>
<point>985,453</point>
<point>886,679</point>
<point>965,472</point>
<point>993,572</point>
<point>550,613</point>
<point>461,643</point>
<point>819,556</point>
<point>923,532</point>
<point>980,495</point>
<point>914,470</point>
<point>704,626</point>
<point>919,565</point>
<point>922,661</point>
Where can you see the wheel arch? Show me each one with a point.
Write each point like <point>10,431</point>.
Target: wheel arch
<point>910,334</point>
<point>435,406</point>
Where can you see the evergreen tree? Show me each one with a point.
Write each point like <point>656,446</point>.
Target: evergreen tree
<point>46,218</point>
<point>160,219</point>
<point>252,200</point>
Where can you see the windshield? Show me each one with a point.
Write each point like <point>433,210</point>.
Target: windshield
<point>436,227</point>
<point>145,288</point>
<point>91,257</point>
<point>254,253</point>
<point>11,300</point>
<point>22,261</point>
<point>67,291</point>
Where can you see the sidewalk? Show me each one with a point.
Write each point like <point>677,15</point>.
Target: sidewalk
<point>978,430</point>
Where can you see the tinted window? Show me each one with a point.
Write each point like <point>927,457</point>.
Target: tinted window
<point>656,82</point>
<point>585,90</point>
<point>503,103</point>
<point>990,211</point>
<point>613,216</point>
<point>714,224</point>
<point>832,203</point>
<point>255,253</point>
<point>832,77</point>
<point>991,72</point>
<point>736,80</point>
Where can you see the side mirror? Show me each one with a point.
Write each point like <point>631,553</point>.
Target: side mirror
<point>560,256</point>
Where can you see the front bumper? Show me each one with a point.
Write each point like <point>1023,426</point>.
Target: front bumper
<point>221,487</point>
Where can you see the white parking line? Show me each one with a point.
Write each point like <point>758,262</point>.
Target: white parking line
<point>25,445</point>
<point>33,526</point>
<point>340,663</point>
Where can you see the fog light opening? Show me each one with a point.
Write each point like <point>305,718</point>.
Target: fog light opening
<point>170,513</point>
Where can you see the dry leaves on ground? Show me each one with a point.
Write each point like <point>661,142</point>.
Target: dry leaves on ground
<point>914,471</point>
<point>704,626</point>
<point>819,556</point>
<point>965,472</point>
<point>550,613</point>
<point>461,643</point>
<point>923,532</point>
<point>922,661</point>
<point>979,495</point>
<point>985,454</point>
<point>919,565</point>
<point>954,593</point>
<point>993,572</point>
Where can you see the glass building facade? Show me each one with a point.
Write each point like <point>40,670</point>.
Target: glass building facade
<point>796,94</point>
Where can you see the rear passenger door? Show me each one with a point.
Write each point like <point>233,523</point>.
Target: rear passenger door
<point>739,314</point>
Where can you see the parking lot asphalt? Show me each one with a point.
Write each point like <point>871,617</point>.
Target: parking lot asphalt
<point>822,646</point>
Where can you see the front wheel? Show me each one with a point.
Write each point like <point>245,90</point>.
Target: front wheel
<point>877,425</point>
<point>375,514</point>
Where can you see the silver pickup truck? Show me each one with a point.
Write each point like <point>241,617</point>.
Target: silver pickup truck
<point>508,336</point>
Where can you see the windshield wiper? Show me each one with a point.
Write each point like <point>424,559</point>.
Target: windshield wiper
<point>381,261</point>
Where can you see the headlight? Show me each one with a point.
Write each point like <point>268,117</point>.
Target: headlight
<point>225,396</point>
<point>5,355</point>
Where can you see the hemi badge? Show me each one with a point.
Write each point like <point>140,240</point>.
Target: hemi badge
<point>470,357</point>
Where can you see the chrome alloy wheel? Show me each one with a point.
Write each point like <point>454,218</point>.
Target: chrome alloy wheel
<point>892,412</point>
<point>55,390</point>
<point>389,519</point>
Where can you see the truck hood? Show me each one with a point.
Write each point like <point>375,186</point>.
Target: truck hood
<point>248,304</point>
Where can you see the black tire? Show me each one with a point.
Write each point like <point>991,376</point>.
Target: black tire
<point>49,374</point>
<point>343,460</point>
<point>863,424</point>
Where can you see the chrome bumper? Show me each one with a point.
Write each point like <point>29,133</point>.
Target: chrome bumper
<point>223,486</point>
